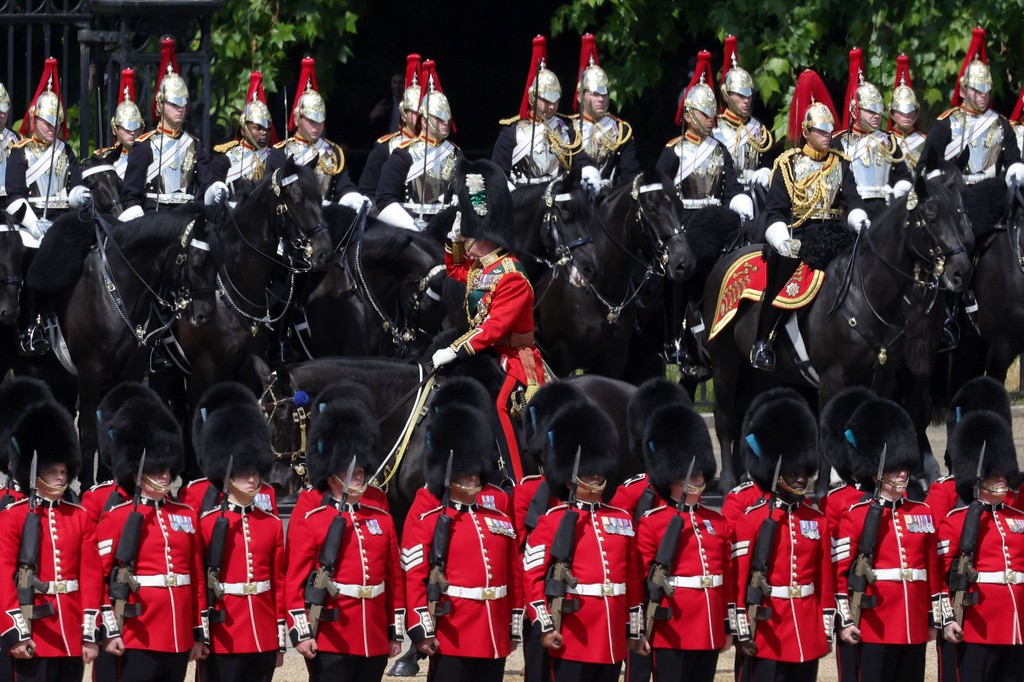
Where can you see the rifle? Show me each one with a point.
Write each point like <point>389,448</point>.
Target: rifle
<point>122,582</point>
<point>28,560</point>
<point>321,581</point>
<point>560,578</point>
<point>757,584</point>
<point>862,572</point>
<point>215,552</point>
<point>658,585</point>
<point>963,574</point>
<point>437,582</point>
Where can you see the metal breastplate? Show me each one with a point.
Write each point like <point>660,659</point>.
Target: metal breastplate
<point>984,145</point>
<point>394,142</point>
<point>120,164</point>
<point>599,138</point>
<point>328,159</point>
<point>912,145</point>
<point>430,174</point>
<point>176,163</point>
<point>870,162</point>
<point>246,163</point>
<point>7,140</point>
<point>541,150</point>
<point>703,170</point>
<point>1018,130</point>
<point>740,143</point>
<point>52,182</point>
<point>822,189</point>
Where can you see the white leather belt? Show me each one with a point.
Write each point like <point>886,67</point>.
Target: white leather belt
<point>532,181</point>
<point>701,203</point>
<point>60,587</point>
<point>477,593</point>
<point>793,591</point>
<point>696,582</point>
<point>360,591</point>
<point>426,209</point>
<point>599,589</point>
<point>874,191</point>
<point>901,574</point>
<point>974,178</point>
<point>168,580</point>
<point>41,202</point>
<point>173,198</point>
<point>1001,577</point>
<point>245,589</point>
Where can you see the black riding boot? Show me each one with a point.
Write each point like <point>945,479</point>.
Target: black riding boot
<point>780,270</point>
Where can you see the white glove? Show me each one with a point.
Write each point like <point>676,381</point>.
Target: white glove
<point>762,176</point>
<point>79,197</point>
<point>396,216</point>
<point>355,201</point>
<point>130,214</point>
<point>29,220</point>
<point>590,178</point>
<point>858,220</point>
<point>216,194</point>
<point>901,189</point>
<point>777,236</point>
<point>443,356</point>
<point>743,206</point>
<point>1015,174</point>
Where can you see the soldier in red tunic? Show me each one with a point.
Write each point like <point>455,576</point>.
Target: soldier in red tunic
<point>499,297</point>
<point>793,608</point>
<point>587,629</point>
<point>243,545</point>
<point>348,629</point>
<point>164,625</point>
<point>991,633</point>
<point>903,592</point>
<point>17,394</point>
<point>689,628</point>
<point>53,632</point>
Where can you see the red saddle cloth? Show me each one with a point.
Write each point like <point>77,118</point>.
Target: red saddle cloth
<point>745,280</point>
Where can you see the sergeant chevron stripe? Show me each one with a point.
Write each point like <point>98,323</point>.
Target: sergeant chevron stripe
<point>533,556</point>
<point>412,557</point>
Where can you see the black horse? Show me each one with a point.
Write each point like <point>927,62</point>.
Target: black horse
<point>12,256</point>
<point>105,184</point>
<point>870,317</point>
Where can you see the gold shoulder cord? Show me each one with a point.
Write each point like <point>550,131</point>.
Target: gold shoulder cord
<point>807,193</point>
<point>765,143</point>
<point>625,133</point>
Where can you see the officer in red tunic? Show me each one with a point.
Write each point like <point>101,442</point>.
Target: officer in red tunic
<point>55,632</point>
<point>499,297</point>
<point>602,611</point>
<point>897,619</point>
<point>243,545</point>
<point>799,603</point>
<point>165,623</point>
<point>992,630</point>
<point>361,625</point>
<point>686,639</point>
<point>476,620</point>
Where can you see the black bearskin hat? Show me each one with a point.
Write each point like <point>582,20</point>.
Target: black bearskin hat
<point>144,424</point>
<point>47,430</point>
<point>980,393</point>
<point>876,424</point>
<point>550,398</point>
<point>340,428</point>
<point>464,390</point>
<point>652,394</point>
<point>485,202</point>
<point>17,395</point>
<point>988,428</point>
<point>587,428</point>
<point>674,435</point>
<point>108,407</point>
<point>833,444</point>
<point>463,432</point>
<point>228,428</point>
<point>780,428</point>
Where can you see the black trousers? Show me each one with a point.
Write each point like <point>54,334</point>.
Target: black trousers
<point>766,670</point>
<point>577,671</point>
<point>140,665</point>
<point>537,663</point>
<point>6,664</point>
<point>256,667</point>
<point>990,662</point>
<point>346,667</point>
<point>673,665</point>
<point>56,669</point>
<point>846,661</point>
<point>947,654</point>
<point>638,667</point>
<point>105,667</point>
<point>780,270</point>
<point>465,669</point>
<point>892,662</point>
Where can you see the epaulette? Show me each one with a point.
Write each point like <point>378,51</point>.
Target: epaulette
<point>23,500</point>
<point>572,117</point>
<point>674,141</point>
<point>145,136</point>
<point>390,136</point>
<point>430,511</point>
<point>741,487</point>
<point>947,113</point>
<point>282,143</point>
<point>558,508</point>
<point>836,487</point>
<point>611,508</point>
<point>650,512</point>
<point>859,504</point>
<point>836,152</point>
<point>495,487</point>
<point>21,143</point>
<point>943,479</point>
<point>955,510</point>
<point>222,148</point>
<point>118,506</point>
<point>406,143</point>
<point>756,505</point>
<point>314,510</point>
<point>508,121</point>
<point>104,484</point>
<point>529,478</point>
<point>206,513</point>
<point>370,506</point>
<point>635,479</point>
<point>168,501</point>
<point>197,480</point>
<point>73,504</point>
<point>104,150</point>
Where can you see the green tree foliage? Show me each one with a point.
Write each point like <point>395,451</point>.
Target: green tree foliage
<point>640,40</point>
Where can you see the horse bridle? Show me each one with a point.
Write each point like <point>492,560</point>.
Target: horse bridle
<point>659,258</point>
<point>13,280</point>
<point>563,250</point>
<point>296,454</point>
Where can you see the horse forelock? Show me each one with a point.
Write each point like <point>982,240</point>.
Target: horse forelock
<point>158,228</point>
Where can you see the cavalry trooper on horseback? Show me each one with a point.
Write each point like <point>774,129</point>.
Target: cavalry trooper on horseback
<point>126,126</point>
<point>536,146</point>
<point>903,113</point>
<point>418,180</point>
<point>43,181</point>
<point>702,171</point>
<point>308,146</point>
<point>606,151</point>
<point>8,137</point>
<point>810,187</point>
<point>167,166</point>
<point>242,161</point>
<point>408,116</point>
<point>746,138</point>
<point>876,158</point>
